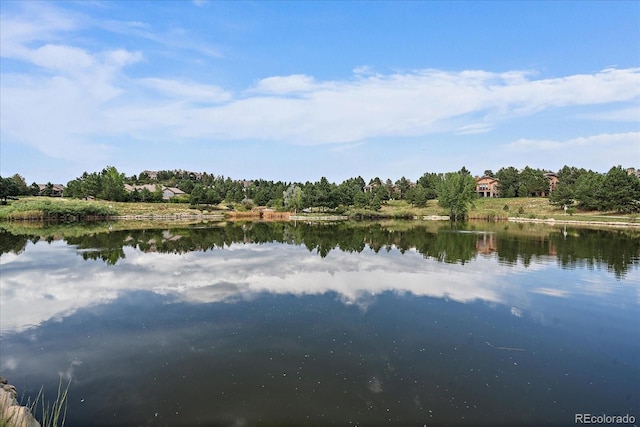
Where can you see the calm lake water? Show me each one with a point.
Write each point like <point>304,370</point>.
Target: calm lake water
<point>405,324</point>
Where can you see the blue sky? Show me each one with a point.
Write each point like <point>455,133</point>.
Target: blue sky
<point>295,91</point>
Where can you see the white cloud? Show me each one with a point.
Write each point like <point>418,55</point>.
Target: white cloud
<point>630,114</point>
<point>190,91</point>
<point>80,97</point>
<point>302,110</point>
<point>609,149</point>
<point>39,22</point>
<point>474,128</point>
<point>294,108</point>
<point>363,70</point>
<point>595,142</point>
<point>60,58</point>
<point>282,85</point>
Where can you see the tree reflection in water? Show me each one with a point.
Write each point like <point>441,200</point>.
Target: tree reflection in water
<point>613,250</point>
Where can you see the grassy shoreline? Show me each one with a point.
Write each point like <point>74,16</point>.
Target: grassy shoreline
<point>497,209</point>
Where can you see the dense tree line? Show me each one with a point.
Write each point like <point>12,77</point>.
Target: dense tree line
<point>107,185</point>
<point>528,182</point>
<point>209,189</point>
<point>614,191</point>
<point>15,186</point>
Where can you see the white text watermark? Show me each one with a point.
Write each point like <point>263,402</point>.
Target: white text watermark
<point>604,419</point>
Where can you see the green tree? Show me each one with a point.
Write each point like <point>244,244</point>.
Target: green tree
<point>48,190</point>
<point>112,185</point>
<point>532,183</point>
<point>361,200</point>
<point>403,185</point>
<point>382,192</point>
<point>143,178</point>
<point>34,189</point>
<point>186,185</point>
<point>375,203</point>
<point>23,188</point>
<point>430,183</point>
<point>323,193</point>
<point>620,191</point>
<point>570,175</point>
<point>292,198</point>
<point>135,196</point>
<point>73,189</point>
<point>588,190</point>
<point>8,188</point>
<point>456,192</point>
<point>156,195</point>
<point>509,181</point>
<point>234,191</point>
<point>212,196</point>
<point>347,190</point>
<point>91,184</point>
<point>419,195</point>
<point>146,195</point>
<point>563,195</point>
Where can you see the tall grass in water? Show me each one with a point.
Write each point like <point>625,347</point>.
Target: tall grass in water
<point>52,414</point>
<point>49,414</point>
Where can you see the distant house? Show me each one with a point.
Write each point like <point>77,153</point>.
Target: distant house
<point>151,174</point>
<point>167,192</point>
<point>553,182</point>
<point>53,190</point>
<point>170,192</point>
<point>633,171</point>
<point>132,188</point>
<point>487,186</point>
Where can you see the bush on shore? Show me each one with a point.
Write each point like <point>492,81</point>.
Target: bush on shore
<point>39,209</point>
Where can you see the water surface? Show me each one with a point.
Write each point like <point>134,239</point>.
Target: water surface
<point>348,324</point>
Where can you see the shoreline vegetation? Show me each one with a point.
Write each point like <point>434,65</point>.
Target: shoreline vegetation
<point>527,209</point>
<point>18,414</point>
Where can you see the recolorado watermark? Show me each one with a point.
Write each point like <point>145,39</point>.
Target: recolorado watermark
<point>604,419</point>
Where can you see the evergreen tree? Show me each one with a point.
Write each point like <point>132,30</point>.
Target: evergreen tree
<point>620,191</point>
<point>8,188</point>
<point>588,191</point>
<point>430,183</point>
<point>21,184</point>
<point>532,183</point>
<point>112,185</point>
<point>509,181</point>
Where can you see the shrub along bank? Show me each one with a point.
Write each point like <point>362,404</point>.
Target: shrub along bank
<point>44,208</point>
<point>55,208</point>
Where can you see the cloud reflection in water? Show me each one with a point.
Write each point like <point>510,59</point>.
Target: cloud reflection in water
<point>49,281</point>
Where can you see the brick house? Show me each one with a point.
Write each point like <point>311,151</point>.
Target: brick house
<point>553,182</point>
<point>487,186</point>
